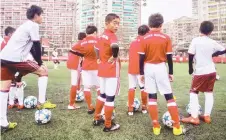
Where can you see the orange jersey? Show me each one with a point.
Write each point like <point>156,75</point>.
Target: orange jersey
<point>155,45</point>
<point>73,60</point>
<point>106,69</point>
<point>86,48</point>
<point>4,42</point>
<point>134,56</point>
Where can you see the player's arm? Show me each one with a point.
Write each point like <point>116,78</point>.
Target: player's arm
<point>191,54</point>
<point>115,49</point>
<point>76,50</point>
<point>141,63</point>
<point>36,52</point>
<point>219,49</point>
<point>76,53</point>
<point>218,53</point>
<point>170,63</point>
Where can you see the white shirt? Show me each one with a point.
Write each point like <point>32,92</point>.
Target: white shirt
<point>203,47</point>
<point>20,43</point>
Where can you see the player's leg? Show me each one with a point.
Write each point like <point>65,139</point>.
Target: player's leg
<point>95,81</point>
<point>20,95</point>
<point>131,92</point>
<point>12,92</point>
<point>144,95</point>
<point>112,88</point>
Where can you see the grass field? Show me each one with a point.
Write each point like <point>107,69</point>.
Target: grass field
<point>77,125</point>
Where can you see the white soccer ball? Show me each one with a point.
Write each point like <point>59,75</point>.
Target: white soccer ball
<point>42,116</point>
<point>136,104</point>
<point>103,114</point>
<point>167,120</point>
<point>24,84</point>
<point>217,77</point>
<point>79,96</point>
<point>30,102</point>
<point>188,109</point>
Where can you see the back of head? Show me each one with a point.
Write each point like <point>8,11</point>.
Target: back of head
<point>143,29</point>
<point>33,10</point>
<point>206,27</point>
<point>155,21</point>
<point>81,35</point>
<point>91,29</point>
<point>9,30</point>
<point>110,17</point>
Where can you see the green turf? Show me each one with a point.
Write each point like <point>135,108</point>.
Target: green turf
<point>78,124</point>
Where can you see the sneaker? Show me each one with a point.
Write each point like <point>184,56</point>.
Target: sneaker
<point>178,131</point>
<point>20,106</point>
<point>144,111</point>
<point>73,107</point>
<point>156,130</point>
<point>10,106</point>
<point>191,120</point>
<point>206,119</point>
<point>91,111</point>
<point>130,113</point>
<point>112,128</point>
<point>11,125</point>
<point>98,122</point>
<point>46,105</point>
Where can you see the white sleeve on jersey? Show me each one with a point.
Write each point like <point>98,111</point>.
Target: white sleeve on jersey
<point>218,47</point>
<point>191,49</point>
<point>34,33</point>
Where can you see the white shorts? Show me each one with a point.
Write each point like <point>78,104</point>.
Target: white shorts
<point>156,77</point>
<point>109,86</point>
<point>74,77</point>
<point>90,78</point>
<point>134,80</point>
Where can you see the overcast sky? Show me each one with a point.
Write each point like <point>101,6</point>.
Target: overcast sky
<point>170,9</point>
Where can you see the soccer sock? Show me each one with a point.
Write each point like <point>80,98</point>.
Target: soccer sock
<point>20,95</point>
<point>12,93</point>
<point>73,95</point>
<point>131,95</point>
<point>144,99</point>
<point>194,104</point>
<point>153,109</point>
<point>99,105</point>
<point>79,82</point>
<point>42,86</point>
<point>173,110</point>
<point>3,108</point>
<point>208,103</point>
<point>108,114</point>
<point>88,98</point>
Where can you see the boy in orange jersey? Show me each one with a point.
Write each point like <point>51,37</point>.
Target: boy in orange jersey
<point>89,65</point>
<point>108,71</point>
<point>134,73</point>
<point>73,64</point>
<point>156,49</point>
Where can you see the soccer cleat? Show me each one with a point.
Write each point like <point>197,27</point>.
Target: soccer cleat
<point>46,105</point>
<point>112,128</point>
<point>10,106</point>
<point>144,111</point>
<point>156,130</point>
<point>178,131</point>
<point>98,122</point>
<point>10,126</point>
<point>206,119</point>
<point>91,111</point>
<point>130,113</point>
<point>20,106</point>
<point>191,120</point>
<point>73,107</point>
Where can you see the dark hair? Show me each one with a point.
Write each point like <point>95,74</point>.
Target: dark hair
<point>33,10</point>
<point>143,29</point>
<point>91,29</point>
<point>9,30</point>
<point>111,17</point>
<point>155,20</point>
<point>81,35</point>
<point>206,27</point>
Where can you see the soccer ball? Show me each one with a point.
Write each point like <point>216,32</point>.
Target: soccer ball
<point>24,84</point>
<point>30,102</point>
<point>167,120</point>
<point>103,114</point>
<point>42,116</point>
<point>188,109</point>
<point>136,104</point>
<point>79,96</point>
<point>217,77</point>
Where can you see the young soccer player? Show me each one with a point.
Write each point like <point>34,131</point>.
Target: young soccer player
<point>89,65</point>
<point>134,72</point>
<point>202,49</point>
<point>108,71</point>
<point>13,59</point>
<point>55,58</point>
<point>73,64</point>
<point>156,49</point>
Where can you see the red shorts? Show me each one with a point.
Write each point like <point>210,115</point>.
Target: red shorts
<point>8,68</point>
<point>203,83</point>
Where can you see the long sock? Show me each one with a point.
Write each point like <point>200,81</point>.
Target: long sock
<point>153,112</point>
<point>99,105</point>
<point>3,108</point>
<point>144,98</point>
<point>208,103</point>
<point>131,95</point>
<point>194,105</point>
<point>108,114</point>
<point>79,81</point>
<point>173,110</point>
<point>88,98</point>
<point>42,86</point>
<point>12,93</point>
<point>20,95</point>
<point>73,95</point>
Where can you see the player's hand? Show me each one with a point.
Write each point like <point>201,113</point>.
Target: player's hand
<point>19,84</point>
<point>171,77</point>
<point>111,60</point>
<point>142,78</point>
<point>191,71</point>
<point>98,61</point>
<point>44,68</point>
